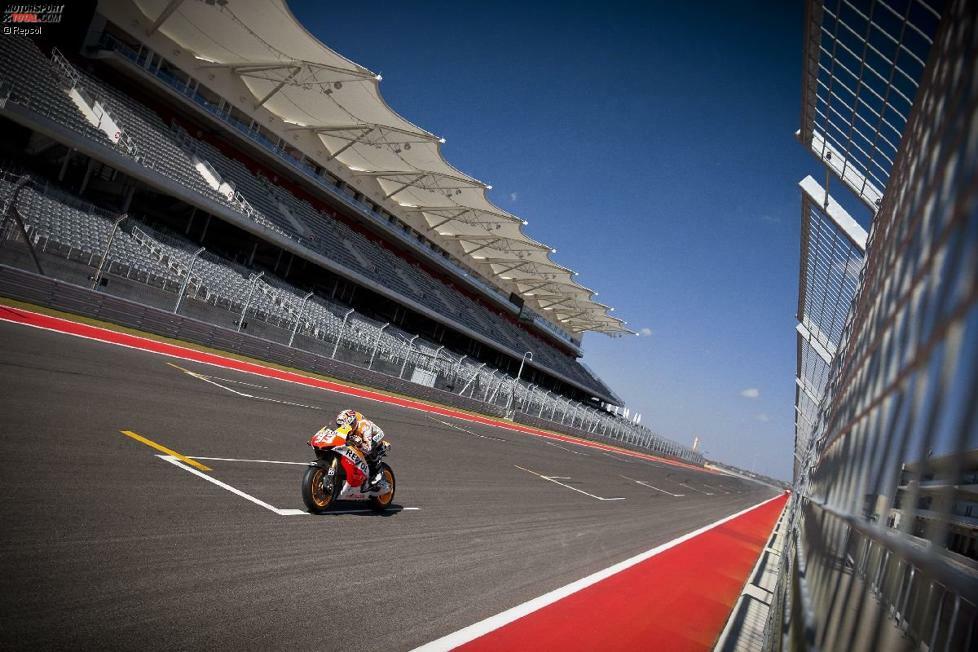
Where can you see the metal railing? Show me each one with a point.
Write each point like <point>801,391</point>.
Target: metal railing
<point>75,80</point>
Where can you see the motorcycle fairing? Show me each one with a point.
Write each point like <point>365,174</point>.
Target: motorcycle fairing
<point>354,464</point>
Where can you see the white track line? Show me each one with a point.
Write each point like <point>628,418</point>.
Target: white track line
<point>617,458</point>
<point>644,484</point>
<point>234,459</point>
<point>465,430</point>
<point>551,478</point>
<point>550,443</point>
<point>492,623</point>
<point>209,379</point>
<point>261,503</point>
<point>237,382</point>
<point>705,493</point>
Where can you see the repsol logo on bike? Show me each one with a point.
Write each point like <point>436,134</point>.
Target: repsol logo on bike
<point>356,459</point>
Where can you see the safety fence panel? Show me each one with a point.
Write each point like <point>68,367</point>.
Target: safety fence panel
<point>863,63</point>
<point>884,545</point>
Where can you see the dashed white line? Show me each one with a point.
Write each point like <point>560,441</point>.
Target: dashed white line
<point>617,458</point>
<point>550,443</point>
<point>705,493</point>
<point>646,484</point>
<point>208,379</point>
<point>465,430</point>
<point>553,478</point>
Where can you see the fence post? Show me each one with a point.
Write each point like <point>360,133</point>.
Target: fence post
<point>376,343</point>
<point>298,319</point>
<point>108,246</point>
<point>11,208</point>
<point>527,398</point>
<point>469,382</point>
<point>512,390</point>
<point>406,354</point>
<point>458,369</point>
<point>434,360</point>
<point>251,294</point>
<point>339,336</point>
<point>186,280</point>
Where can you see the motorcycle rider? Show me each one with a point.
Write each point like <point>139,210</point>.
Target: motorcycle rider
<point>367,437</point>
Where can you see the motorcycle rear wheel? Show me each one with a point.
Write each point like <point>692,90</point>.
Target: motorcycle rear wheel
<point>382,502</point>
<point>319,490</point>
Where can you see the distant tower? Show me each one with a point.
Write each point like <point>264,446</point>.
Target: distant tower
<point>696,444</point>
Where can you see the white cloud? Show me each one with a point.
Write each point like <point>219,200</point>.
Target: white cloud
<point>760,416</point>
<point>513,196</point>
<point>645,332</point>
<point>750,392</point>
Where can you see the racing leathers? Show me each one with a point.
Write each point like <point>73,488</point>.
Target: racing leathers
<point>367,437</point>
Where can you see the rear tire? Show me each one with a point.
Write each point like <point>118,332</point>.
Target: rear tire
<point>319,490</point>
<point>380,503</point>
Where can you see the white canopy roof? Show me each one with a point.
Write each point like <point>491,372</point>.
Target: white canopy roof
<point>315,90</point>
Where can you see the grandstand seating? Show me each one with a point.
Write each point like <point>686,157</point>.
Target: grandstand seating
<point>59,223</point>
<point>170,152</point>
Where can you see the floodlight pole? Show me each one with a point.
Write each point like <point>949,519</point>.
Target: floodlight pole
<point>186,280</point>
<point>376,344</point>
<point>251,294</point>
<point>298,319</point>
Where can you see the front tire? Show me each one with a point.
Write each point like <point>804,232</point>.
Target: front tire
<point>319,489</point>
<point>382,502</point>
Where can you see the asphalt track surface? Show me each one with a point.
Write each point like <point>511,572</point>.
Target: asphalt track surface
<point>107,544</point>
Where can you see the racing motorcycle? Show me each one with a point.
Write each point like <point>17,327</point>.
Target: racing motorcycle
<point>341,471</point>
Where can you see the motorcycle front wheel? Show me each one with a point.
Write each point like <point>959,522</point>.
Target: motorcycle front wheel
<point>319,489</point>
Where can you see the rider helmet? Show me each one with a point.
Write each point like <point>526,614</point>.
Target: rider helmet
<point>347,418</point>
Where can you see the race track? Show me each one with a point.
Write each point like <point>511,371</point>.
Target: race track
<point>106,544</point>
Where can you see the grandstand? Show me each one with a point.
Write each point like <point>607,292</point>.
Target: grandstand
<point>262,184</point>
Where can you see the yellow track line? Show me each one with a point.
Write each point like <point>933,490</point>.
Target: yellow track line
<point>164,449</point>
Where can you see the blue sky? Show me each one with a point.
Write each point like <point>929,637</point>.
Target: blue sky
<point>654,147</point>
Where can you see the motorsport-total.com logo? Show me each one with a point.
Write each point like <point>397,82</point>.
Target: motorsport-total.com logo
<point>30,19</point>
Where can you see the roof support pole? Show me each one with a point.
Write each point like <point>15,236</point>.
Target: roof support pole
<point>483,246</point>
<point>533,288</point>
<point>510,269</point>
<point>449,219</point>
<point>445,221</point>
<point>363,134</point>
<point>278,87</point>
<point>555,303</point>
<point>166,13</point>
<point>417,178</point>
